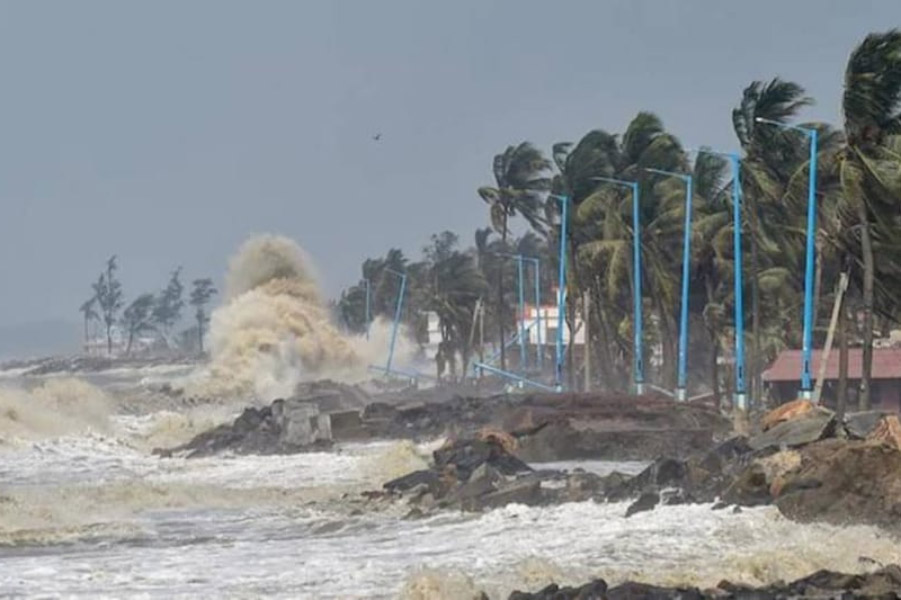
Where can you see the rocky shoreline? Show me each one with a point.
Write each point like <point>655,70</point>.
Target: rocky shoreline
<point>800,458</point>
<point>548,427</point>
<point>883,584</point>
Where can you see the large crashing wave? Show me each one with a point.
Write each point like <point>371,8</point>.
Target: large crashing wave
<point>274,329</point>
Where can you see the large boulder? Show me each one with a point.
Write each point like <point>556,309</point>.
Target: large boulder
<point>807,428</point>
<point>859,425</point>
<point>845,482</point>
<point>283,427</point>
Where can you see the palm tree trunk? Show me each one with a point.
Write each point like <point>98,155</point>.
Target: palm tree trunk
<point>817,284</point>
<point>602,352</point>
<point>714,350</point>
<point>109,339</point>
<point>756,383</point>
<point>869,267</point>
<point>500,299</point>
<point>668,345</point>
<point>842,390</point>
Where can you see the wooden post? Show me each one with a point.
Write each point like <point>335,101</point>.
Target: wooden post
<point>824,360</point>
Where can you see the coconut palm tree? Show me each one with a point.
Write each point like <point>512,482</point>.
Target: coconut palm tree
<point>452,286</point>
<point>771,156</point>
<point>870,167</point>
<point>520,184</point>
<point>602,231</point>
<point>89,312</point>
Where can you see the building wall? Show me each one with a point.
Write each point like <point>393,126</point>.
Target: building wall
<point>886,393</point>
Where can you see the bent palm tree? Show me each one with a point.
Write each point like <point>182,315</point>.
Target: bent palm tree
<point>519,174</point>
<point>870,166</point>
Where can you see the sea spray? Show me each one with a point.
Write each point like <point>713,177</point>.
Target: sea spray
<point>56,407</point>
<point>274,330</point>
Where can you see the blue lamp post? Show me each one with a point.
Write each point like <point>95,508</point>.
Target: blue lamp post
<point>807,339</point>
<point>741,397</point>
<point>397,311</point>
<point>638,363</point>
<point>561,292</point>
<point>681,383</point>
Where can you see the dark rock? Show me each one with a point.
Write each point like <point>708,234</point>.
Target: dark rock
<point>483,481</point>
<point>883,584</point>
<point>647,501</point>
<point>426,477</point>
<point>750,488</point>
<point>859,425</point>
<point>809,428</point>
<point>467,455</point>
<point>643,591</point>
<point>283,427</point>
<point>526,491</point>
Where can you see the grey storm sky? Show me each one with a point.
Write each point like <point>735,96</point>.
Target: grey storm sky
<point>167,132</point>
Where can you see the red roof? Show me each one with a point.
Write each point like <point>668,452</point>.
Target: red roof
<point>787,366</point>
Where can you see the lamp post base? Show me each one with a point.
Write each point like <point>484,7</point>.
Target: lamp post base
<point>681,395</point>
<point>740,420</point>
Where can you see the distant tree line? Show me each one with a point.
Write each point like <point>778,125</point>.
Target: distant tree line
<point>157,314</point>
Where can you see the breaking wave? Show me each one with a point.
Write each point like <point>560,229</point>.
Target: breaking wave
<point>56,407</point>
<point>274,329</point>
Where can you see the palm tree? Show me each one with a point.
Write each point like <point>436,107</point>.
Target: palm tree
<point>870,164</point>
<point>520,184</point>
<point>87,309</point>
<point>453,285</point>
<point>602,231</point>
<point>771,155</point>
<point>138,318</point>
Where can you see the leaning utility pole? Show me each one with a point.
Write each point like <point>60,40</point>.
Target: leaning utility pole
<point>824,360</point>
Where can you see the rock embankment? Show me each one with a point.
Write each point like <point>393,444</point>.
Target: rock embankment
<point>882,584</point>
<point>286,426</point>
<point>812,466</point>
<point>483,472</point>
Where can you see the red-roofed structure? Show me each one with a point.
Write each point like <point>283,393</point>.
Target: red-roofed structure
<point>784,375</point>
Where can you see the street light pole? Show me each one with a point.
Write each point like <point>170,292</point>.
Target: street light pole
<point>638,362</point>
<point>807,336</point>
<point>522,315</point>
<point>397,311</point>
<point>682,380</point>
<point>561,292</point>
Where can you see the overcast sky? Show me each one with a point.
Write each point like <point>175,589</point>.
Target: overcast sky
<point>166,132</point>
